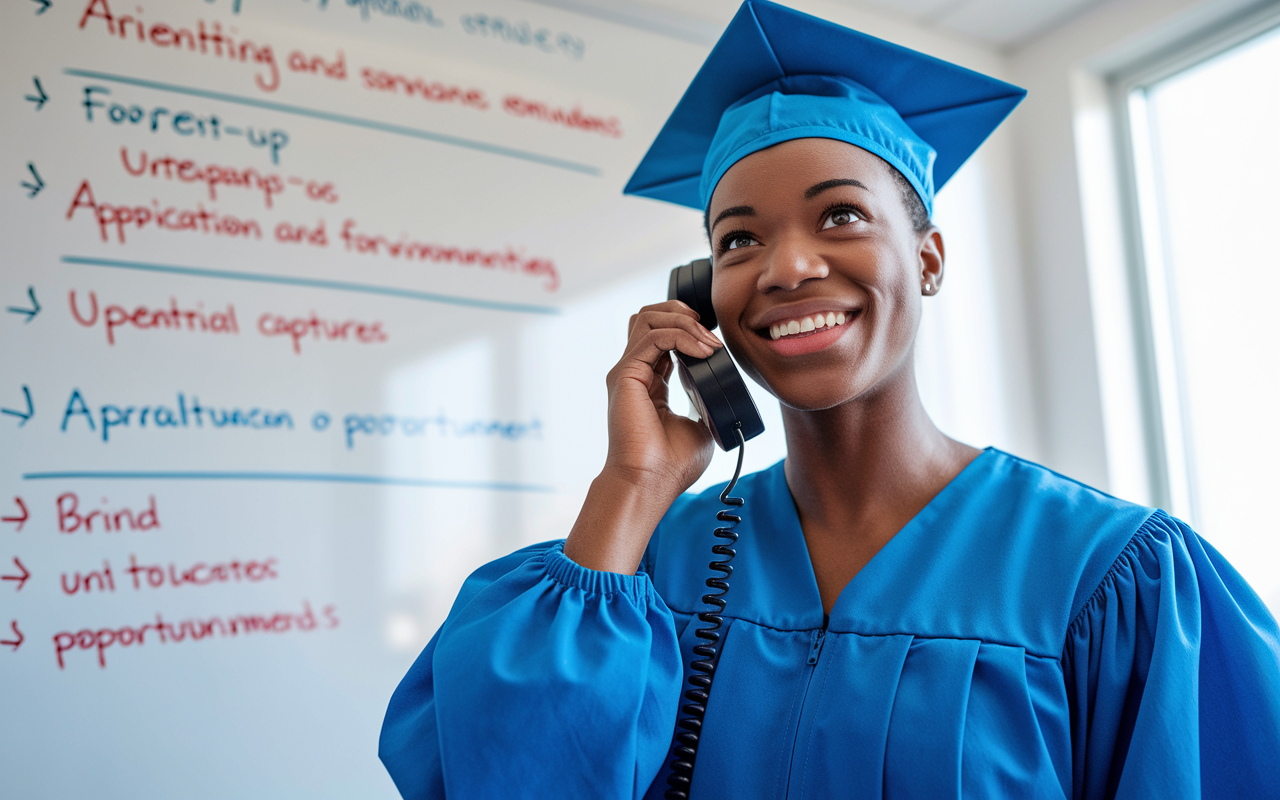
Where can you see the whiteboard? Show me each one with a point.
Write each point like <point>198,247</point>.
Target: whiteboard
<point>326,291</point>
<point>305,311</point>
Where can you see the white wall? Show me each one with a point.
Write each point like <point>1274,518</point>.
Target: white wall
<point>1086,392</point>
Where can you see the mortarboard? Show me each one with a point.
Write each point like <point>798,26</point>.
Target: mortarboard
<point>777,74</point>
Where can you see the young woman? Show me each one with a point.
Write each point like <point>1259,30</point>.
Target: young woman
<point>909,616</point>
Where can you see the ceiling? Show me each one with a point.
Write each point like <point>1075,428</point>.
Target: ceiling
<point>1002,24</point>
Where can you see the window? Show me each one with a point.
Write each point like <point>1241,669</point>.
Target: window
<point>1206,168</point>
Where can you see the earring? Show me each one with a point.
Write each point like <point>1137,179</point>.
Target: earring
<point>928,288</point>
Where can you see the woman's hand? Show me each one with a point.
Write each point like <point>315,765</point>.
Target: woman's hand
<point>654,453</point>
<point>649,444</point>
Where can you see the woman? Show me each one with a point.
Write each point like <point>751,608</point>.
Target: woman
<point>908,615</point>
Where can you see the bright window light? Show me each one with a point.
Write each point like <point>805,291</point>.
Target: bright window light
<point>1207,158</point>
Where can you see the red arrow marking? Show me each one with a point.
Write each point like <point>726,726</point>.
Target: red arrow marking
<point>21,579</point>
<point>22,520</point>
<point>14,643</point>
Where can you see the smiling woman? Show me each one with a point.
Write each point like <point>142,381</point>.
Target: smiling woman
<point>911,615</point>
<point>793,242</point>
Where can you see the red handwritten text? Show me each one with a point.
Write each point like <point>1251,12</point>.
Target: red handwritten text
<point>215,175</point>
<point>174,219</point>
<point>205,40</point>
<point>318,329</point>
<point>520,107</point>
<point>144,318</point>
<point>316,65</point>
<point>382,81</point>
<point>84,581</point>
<point>509,260</point>
<point>71,519</point>
<point>288,233</point>
<point>200,574</point>
<point>191,630</point>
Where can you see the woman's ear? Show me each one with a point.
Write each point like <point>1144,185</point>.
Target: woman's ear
<point>933,256</point>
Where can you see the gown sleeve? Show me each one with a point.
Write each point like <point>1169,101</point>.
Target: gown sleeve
<point>547,679</point>
<point>1173,676</point>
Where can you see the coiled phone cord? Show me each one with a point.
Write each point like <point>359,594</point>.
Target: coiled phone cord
<point>685,750</point>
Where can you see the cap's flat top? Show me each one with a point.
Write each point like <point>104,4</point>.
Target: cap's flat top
<point>951,109</point>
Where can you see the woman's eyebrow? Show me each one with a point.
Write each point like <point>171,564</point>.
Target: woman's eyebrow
<point>736,211</point>
<point>819,188</point>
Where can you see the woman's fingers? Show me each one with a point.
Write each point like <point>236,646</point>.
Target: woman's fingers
<point>671,314</point>
<point>653,346</point>
<point>650,364</point>
<point>655,320</point>
<point>666,306</point>
<point>653,333</point>
<point>659,389</point>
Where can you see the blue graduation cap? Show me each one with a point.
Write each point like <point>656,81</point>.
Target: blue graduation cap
<point>778,74</point>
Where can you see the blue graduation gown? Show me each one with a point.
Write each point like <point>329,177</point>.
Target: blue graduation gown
<point>1023,636</point>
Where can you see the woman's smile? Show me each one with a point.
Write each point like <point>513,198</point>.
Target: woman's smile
<point>801,325</point>
<point>799,328</point>
<point>809,334</point>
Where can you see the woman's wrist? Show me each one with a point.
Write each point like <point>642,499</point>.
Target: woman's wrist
<point>616,522</point>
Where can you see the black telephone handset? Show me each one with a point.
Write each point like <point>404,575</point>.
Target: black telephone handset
<point>718,392</point>
<point>714,385</point>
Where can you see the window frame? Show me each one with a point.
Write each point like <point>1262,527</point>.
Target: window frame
<point>1161,385</point>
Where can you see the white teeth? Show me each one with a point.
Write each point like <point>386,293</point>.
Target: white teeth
<point>807,324</point>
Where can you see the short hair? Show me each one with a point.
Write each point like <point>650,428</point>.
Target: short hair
<point>916,212</point>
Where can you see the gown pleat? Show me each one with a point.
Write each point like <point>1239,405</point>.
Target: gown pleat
<point>856,754</point>
<point>927,724</point>
<point>1007,745</point>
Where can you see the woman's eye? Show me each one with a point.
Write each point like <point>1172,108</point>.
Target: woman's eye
<point>841,216</point>
<point>740,241</point>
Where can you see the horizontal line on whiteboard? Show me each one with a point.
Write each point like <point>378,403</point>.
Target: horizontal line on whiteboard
<point>310,477</point>
<point>343,119</point>
<point>315,283</point>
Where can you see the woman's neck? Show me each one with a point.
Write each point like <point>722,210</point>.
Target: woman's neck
<point>862,470</point>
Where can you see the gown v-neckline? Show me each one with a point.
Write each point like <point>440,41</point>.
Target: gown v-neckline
<point>910,537</point>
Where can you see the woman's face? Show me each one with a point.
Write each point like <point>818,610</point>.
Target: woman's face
<point>807,233</point>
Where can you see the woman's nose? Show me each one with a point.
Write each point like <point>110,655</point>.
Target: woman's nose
<point>790,264</point>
